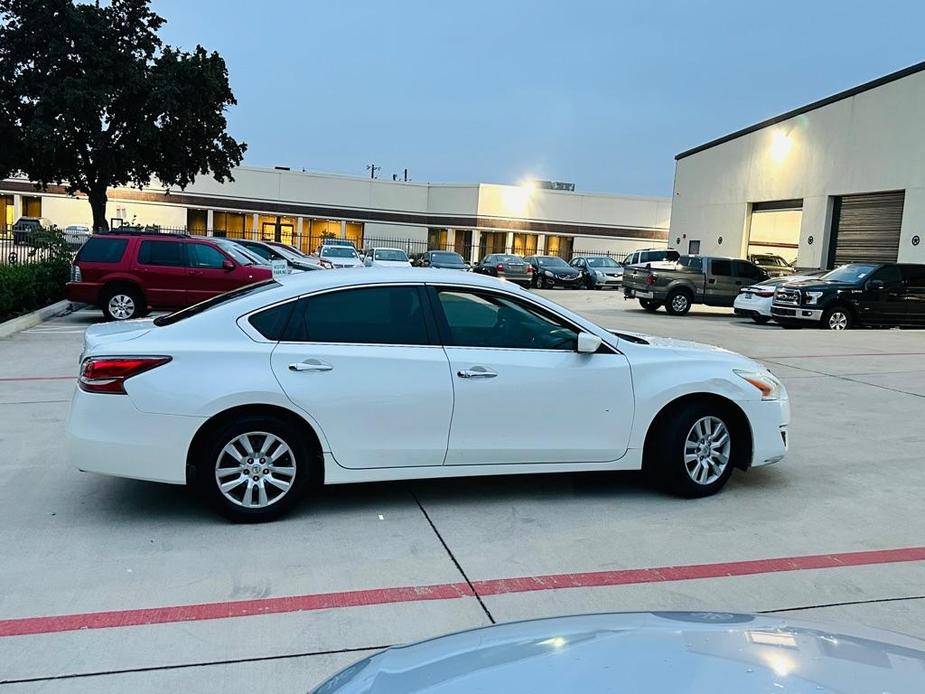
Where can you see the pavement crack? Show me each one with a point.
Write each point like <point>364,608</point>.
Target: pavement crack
<point>841,604</point>
<point>453,558</point>
<point>848,378</point>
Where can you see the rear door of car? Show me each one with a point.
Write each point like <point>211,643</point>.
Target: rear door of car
<point>914,280</point>
<point>161,269</point>
<point>721,288</point>
<point>747,274</point>
<point>366,364</point>
<point>886,305</point>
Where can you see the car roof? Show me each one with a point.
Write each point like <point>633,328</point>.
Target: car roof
<point>312,281</point>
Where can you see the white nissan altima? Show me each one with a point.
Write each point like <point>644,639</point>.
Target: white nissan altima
<point>328,377</point>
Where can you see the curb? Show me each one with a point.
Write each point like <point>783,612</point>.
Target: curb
<point>15,325</point>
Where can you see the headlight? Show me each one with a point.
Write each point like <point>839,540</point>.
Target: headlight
<point>547,273</point>
<point>764,381</point>
<point>599,274</point>
<point>811,297</point>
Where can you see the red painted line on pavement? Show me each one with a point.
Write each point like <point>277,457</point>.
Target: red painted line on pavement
<point>447,591</point>
<point>37,378</point>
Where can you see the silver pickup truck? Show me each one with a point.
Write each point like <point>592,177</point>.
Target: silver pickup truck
<point>693,279</point>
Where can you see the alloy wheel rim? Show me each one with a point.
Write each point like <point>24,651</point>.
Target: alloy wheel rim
<point>121,306</point>
<point>679,303</point>
<point>255,470</point>
<point>838,321</point>
<point>706,450</point>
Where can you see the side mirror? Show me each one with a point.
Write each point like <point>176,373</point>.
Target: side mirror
<point>875,285</point>
<point>588,343</point>
<point>228,265</point>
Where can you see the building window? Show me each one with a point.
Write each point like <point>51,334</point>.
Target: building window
<point>524,244</point>
<point>31,206</point>
<point>6,211</point>
<point>462,243</point>
<point>276,228</point>
<point>230,224</point>
<point>436,239</point>
<point>196,221</point>
<point>492,242</point>
<point>560,246</point>
<point>355,233</point>
<point>318,230</point>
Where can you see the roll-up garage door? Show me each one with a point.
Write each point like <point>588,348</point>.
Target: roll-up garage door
<point>866,228</point>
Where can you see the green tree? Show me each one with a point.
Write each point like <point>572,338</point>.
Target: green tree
<point>90,98</point>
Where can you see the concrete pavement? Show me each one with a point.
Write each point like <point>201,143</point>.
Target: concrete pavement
<point>75,543</point>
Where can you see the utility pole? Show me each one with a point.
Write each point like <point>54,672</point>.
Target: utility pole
<point>406,174</point>
<point>373,170</point>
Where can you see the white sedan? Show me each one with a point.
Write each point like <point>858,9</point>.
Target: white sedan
<point>755,301</point>
<point>387,257</point>
<point>256,393</point>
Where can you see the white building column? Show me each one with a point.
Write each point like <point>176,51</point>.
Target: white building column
<point>210,222</point>
<point>541,244</point>
<point>509,242</point>
<point>450,239</point>
<point>343,228</point>
<point>17,208</point>
<point>298,232</point>
<point>255,226</point>
<point>476,242</point>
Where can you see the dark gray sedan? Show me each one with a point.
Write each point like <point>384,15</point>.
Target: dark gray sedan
<point>507,267</point>
<point>551,271</point>
<point>655,652</point>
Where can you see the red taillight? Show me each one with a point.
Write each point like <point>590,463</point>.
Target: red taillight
<point>650,279</point>
<point>529,268</point>
<point>499,267</point>
<point>108,374</point>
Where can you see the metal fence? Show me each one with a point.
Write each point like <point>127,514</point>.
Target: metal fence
<point>12,253</point>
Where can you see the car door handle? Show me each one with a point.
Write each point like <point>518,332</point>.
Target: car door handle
<point>476,372</point>
<point>310,365</point>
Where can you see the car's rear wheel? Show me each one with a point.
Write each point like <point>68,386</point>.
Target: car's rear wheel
<point>694,449</point>
<point>678,303</point>
<point>759,319</point>
<point>649,305</point>
<point>122,303</point>
<point>254,468</point>
<point>837,318</point>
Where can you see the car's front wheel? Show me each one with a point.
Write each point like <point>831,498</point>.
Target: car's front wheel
<point>837,318</point>
<point>694,449</point>
<point>254,468</point>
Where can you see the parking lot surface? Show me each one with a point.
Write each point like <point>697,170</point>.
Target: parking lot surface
<point>113,585</point>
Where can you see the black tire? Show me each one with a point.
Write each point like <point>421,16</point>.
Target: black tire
<point>589,283</point>
<point>534,281</point>
<point>837,318</point>
<point>649,305</point>
<point>212,456</point>
<point>678,302</point>
<point>122,303</point>
<point>667,445</point>
<point>546,283</point>
<point>760,320</point>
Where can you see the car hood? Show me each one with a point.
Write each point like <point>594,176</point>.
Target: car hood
<point>815,284</point>
<point>100,334</point>
<point>562,271</point>
<point>646,652</point>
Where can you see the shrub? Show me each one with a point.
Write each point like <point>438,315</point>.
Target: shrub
<point>30,286</point>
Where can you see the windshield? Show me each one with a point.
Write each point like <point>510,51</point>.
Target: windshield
<point>239,253</point>
<point>338,252</point>
<point>511,259</point>
<point>390,254</point>
<point>853,272</point>
<point>770,260</point>
<point>444,257</point>
<point>603,262</point>
<point>219,300</point>
<point>289,253</point>
<point>551,261</point>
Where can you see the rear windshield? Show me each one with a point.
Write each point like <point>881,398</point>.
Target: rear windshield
<point>446,257</point>
<point>101,250</point>
<point>219,300</point>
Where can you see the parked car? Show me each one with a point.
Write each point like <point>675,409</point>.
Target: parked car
<point>128,274</point>
<point>24,228</point>
<point>329,241</point>
<point>693,279</point>
<point>446,260</point>
<point>599,271</point>
<point>307,356</point>
<point>269,253</point>
<point>550,271</point>
<point>884,294</point>
<point>332,256</point>
<point>505,266</point>
<point>76,234</point>
<point>772,264</point>
<point>647,652</point>
<point>386,257</point>
<point>755,300</point>
<point>651,255</point>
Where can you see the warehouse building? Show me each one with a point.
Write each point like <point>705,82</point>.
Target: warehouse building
<point>839,180</point>
<point>302,208</point>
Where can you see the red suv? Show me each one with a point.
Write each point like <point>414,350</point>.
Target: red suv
<point>126,275</point>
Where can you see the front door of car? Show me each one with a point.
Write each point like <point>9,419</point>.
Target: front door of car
<point>914,281</point>
<point>366,365</point>
<point>208,274</point>
<point>522,393</point>
<point>721,289</point>
<point>883,298</point>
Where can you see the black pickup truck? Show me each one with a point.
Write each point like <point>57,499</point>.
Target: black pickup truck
<point>692,279</point>
<point>886,294</point>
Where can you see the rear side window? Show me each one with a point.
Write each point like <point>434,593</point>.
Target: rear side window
<point>371,315</point>
<point>691,262</point>
<point>723,268</point>
<point>746,269</point>
<point>271,323</point>
<point>169,253</point>
<point>101,250</point>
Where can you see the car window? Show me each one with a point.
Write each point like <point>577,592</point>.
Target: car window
<point>447,257</point>
<point>692,262</point>
<point>368,315</point>
<point>389,254</point>
<point>743,268</point>
<point>552,261</point>
<point>484,319</point>
<point>338,252</point>
<point>914,276</point>
<point>166,253</point>
<point>271,322</point>
<point>723,268</point>
<point>203,255</point>
<point>890,275</point>
<point>219,300</point>
<point>100,250</point>
<point>262,251</point>
<point>601,262</point>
